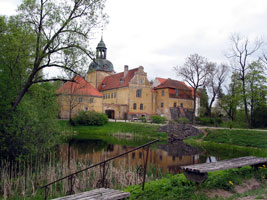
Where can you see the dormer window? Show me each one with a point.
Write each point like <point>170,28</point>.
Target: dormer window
<point>121,81</point>
<point>176,92</point>
<point>103,85</point>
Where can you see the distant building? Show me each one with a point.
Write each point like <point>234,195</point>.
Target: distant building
<point>125,95</point>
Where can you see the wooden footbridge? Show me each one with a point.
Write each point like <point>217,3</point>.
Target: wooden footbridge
<point>199,172</point>
<point>98,194</point>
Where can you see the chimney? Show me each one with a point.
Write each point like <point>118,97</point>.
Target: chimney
<point>125,71</point>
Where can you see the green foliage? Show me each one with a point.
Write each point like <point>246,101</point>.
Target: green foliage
<point>183,120</point>
<point>90,118</point>
<point>204,101</point>
<point>260,116</point>
<point>178,187</point>
<point>32,127</point>
<point>158,119</point>
<point>143,119</point>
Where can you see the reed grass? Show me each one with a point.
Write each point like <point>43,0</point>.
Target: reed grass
<point>23,179</point>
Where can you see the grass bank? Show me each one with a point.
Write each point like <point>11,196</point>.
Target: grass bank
<point>116,132</point>
<point>247,138</point>
<point>178,187</point>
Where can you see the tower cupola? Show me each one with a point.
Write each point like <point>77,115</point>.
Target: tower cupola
<point>100,63</point>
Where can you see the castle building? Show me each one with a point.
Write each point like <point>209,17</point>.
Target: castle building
<point>124,95</point>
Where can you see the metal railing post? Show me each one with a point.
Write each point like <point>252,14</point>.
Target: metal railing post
<point>46,192</point>
<point>145,167</point>
<point>103,175</point>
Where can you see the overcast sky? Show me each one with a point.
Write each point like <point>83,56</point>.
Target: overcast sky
<point>160,34</point>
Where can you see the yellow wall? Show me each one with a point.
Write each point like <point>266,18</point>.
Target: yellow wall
<point>65,101</point>
<point>96,77</point>
<point>188,104</point>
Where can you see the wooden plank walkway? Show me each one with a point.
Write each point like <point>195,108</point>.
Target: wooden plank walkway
<point>199,172</point>
<point>97,194</point>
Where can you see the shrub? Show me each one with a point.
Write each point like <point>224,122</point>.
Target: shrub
<point>90,118</point>
<point>183,120</point>
<point>158,119</point>
<point>143,119</point>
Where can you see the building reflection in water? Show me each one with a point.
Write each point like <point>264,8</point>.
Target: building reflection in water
<point>167,157</point>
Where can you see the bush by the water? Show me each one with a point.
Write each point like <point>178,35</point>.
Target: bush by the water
<point>183,120</point>
<point>158,119</point>
<point>90,118</point>
<point>208,121</point>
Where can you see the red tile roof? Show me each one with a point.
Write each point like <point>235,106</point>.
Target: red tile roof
<point>79,87</point>
<point>169,83</point>
<point>114,81</point>
<point>161,80</point>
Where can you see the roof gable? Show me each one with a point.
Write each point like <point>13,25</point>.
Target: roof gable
<point>169,83</point>
<point>79,87</point>
<point>117,80</point>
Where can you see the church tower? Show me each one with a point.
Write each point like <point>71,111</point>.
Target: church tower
<point>100,67</point>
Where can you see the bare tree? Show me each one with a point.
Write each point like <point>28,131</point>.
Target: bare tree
<point>62,30</point>
<point>241,52</point>
<point>195,72</point>
<point>215,81</point>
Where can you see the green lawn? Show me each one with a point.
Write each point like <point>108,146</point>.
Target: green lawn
<point>116,132</point>
<point>248,138</point>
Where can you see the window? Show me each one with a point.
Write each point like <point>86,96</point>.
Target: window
<point>134,106</point>
<point>112,95</point>
<point>91,100</point>
<point>121,81</point>
<point>174,105</point>
<point>162,105</point>
<point>140,81</point>
<point>160,157</point>
<point>176,92</point>
<point>103,85</point>
<point>133,155</point>
<point>139,93</point>
<point>86,108</point>
<point>173,158</point>
<point>182,105</point>
<point>108,95</point>
<point>115,94</point>
<point>80,99</point>
<point>140,154</point>
<point>162,92</point>
<point>141,106</point>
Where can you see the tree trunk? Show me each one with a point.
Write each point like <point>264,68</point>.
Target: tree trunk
<point>245,102</point>
<point>194,108</point>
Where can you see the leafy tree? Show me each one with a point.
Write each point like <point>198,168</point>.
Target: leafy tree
<point>61,33</point>
<point>204,101</point>
<point>230,101</point>
<point>256,88</point>
<point>241,53</point>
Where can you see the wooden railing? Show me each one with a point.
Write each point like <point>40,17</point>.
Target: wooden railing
<point>70,177</point>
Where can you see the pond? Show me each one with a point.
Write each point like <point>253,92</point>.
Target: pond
<point>164,157</point>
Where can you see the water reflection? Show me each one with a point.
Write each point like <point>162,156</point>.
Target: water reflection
<point>167,157</point>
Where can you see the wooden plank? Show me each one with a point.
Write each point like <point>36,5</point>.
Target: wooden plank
<point>224,164</point>
<point>101,193</point>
